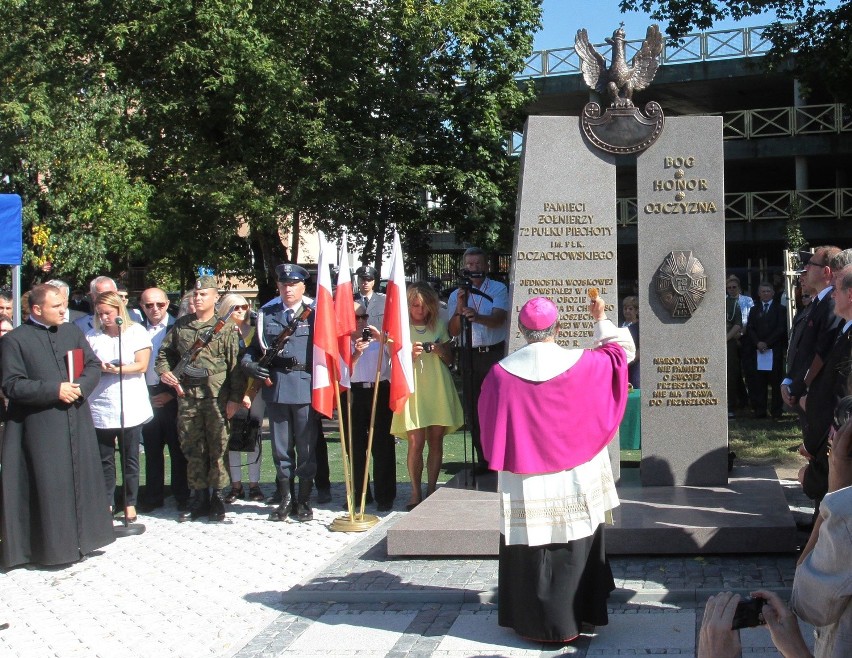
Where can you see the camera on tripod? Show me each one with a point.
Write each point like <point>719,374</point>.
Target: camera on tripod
<point>466,277</point>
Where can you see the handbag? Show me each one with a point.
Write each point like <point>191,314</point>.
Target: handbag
<point>245,432</point>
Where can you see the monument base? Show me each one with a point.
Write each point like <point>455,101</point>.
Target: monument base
<point>750,515</point>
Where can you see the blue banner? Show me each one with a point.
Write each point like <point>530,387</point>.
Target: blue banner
<point>11,236</point>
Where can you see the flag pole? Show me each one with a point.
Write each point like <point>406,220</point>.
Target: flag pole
<point>372,422</point>
<point>349,523</point>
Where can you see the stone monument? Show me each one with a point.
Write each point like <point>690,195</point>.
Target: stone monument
<point>565,242</point>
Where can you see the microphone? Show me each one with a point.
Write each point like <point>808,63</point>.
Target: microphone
<point>119,321</point>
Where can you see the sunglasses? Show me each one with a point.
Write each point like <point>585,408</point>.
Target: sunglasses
<point>157,304</point>
<point>240,307</point>
<point>361,315</point>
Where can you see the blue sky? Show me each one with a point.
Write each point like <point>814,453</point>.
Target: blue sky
<point>562,19</point>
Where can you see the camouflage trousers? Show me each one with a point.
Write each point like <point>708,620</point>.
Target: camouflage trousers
<point>203,434</point>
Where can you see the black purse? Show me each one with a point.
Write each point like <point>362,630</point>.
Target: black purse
<point>245,432</point>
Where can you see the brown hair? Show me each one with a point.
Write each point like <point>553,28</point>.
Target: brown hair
<point>429,297</point>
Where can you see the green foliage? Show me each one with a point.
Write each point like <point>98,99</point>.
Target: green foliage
<point>793,229</point>
<point>187,132</point>
<point>819,36</point>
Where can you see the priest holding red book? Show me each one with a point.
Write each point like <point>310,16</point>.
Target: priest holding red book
<point>52,505</point>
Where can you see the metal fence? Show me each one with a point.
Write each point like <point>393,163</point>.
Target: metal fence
<point>698,47</point>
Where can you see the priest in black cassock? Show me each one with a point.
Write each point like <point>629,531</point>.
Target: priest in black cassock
<point>52,505</point>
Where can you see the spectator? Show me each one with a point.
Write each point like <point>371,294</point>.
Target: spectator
<point>121,397</point>
<point>240,318</point>
<point>822,585</point>
<point>734,329</point>
<point>630,310</point>
<point>161,431</point>
<point>98,285</point>
<point>434,409</point>
<point>5,328</point>
<point>763,345</point>
<point>368,358</point>
<point>489,329</point>
<point>7,305</point>
<point>187,304</point>
<point>52,486</point>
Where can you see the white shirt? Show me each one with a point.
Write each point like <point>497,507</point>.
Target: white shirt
<point>156,334</point>
<point>364,369</point>
<point>484,336</point>
<point>105,400</point>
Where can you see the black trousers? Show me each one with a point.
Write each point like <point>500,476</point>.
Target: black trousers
<point>157,434</point>
<point>383,449</point>
<point>129,456</point>
<point>481,363</point>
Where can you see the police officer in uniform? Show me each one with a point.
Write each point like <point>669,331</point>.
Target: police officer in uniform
<point>292,420</point>
<point>374,302</point>
<point>213,392</point>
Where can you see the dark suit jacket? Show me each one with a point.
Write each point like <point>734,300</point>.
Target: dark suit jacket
<point>769,328</point>
<point>816,338</point>
<point>830,385</point>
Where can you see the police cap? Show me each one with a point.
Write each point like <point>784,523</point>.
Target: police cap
<point>366,272</point>
<point>290,273</point>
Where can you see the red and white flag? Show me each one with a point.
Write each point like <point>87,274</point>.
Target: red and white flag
<point>344,309</point>
<point>395,325</point>
<point>325,335</point>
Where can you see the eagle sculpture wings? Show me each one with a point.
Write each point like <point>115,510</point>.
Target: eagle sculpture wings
<point>620,80</point>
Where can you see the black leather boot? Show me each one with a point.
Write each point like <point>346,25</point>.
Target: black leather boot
<point>198,506</point>
<point>275,498</point>
<point>294,499</point>
<point>216,511</point>
<point>304,511</point>
<point>283,510</point>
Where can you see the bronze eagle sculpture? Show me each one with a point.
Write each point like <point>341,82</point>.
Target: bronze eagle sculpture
<point>620,80</point>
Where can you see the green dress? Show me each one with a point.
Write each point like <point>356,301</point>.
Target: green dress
<point>435,400</point>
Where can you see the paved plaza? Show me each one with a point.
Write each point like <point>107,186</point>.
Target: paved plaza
<point>251,588</point>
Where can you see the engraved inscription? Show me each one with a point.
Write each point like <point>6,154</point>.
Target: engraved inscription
<point>680,382</point>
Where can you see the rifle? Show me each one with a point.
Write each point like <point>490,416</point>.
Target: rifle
<point>271,352</point>
<point>184,367</point>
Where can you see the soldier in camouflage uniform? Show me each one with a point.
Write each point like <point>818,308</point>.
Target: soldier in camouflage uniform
<point>208,399</point>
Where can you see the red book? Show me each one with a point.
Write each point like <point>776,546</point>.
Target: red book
<point>74,361</point>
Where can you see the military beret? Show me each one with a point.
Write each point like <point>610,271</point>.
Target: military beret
<point>290,273</point>
<point>206,281</point>
<point>366,272</point>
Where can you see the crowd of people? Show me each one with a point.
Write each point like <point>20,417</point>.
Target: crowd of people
<point>81,384</point>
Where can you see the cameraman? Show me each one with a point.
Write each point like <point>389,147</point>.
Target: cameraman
<point>822,586</point>
<point>489,328</point>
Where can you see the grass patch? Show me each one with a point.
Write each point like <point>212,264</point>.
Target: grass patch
<point>756,442</point>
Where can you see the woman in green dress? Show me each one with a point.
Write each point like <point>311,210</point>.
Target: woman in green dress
<point>434,409</point>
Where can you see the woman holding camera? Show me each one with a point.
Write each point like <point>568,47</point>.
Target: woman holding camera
<point>120,400</point>
<point>434,409</point>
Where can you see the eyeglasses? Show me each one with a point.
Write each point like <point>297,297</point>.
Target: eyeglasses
<point>361,316</point>
<point>809,263</point>
<point>151,305</point>
<point>240,307</point>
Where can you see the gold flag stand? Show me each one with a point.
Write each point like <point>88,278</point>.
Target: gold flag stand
<point>357,521</point>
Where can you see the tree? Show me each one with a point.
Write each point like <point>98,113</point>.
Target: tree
<point>84,211</point>
<point>234,120</point>
<point>819,36</point>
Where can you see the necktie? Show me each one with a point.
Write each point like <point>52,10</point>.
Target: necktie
<point>288,316</point>
<point>765,307</point>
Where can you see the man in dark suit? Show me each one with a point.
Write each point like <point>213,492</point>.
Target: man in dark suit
<point>292,420</point>
<point>373,301</point>
<point>809,347</point>
<point>161,431</point>
<point>763,351</point>
<point>830,385</point>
